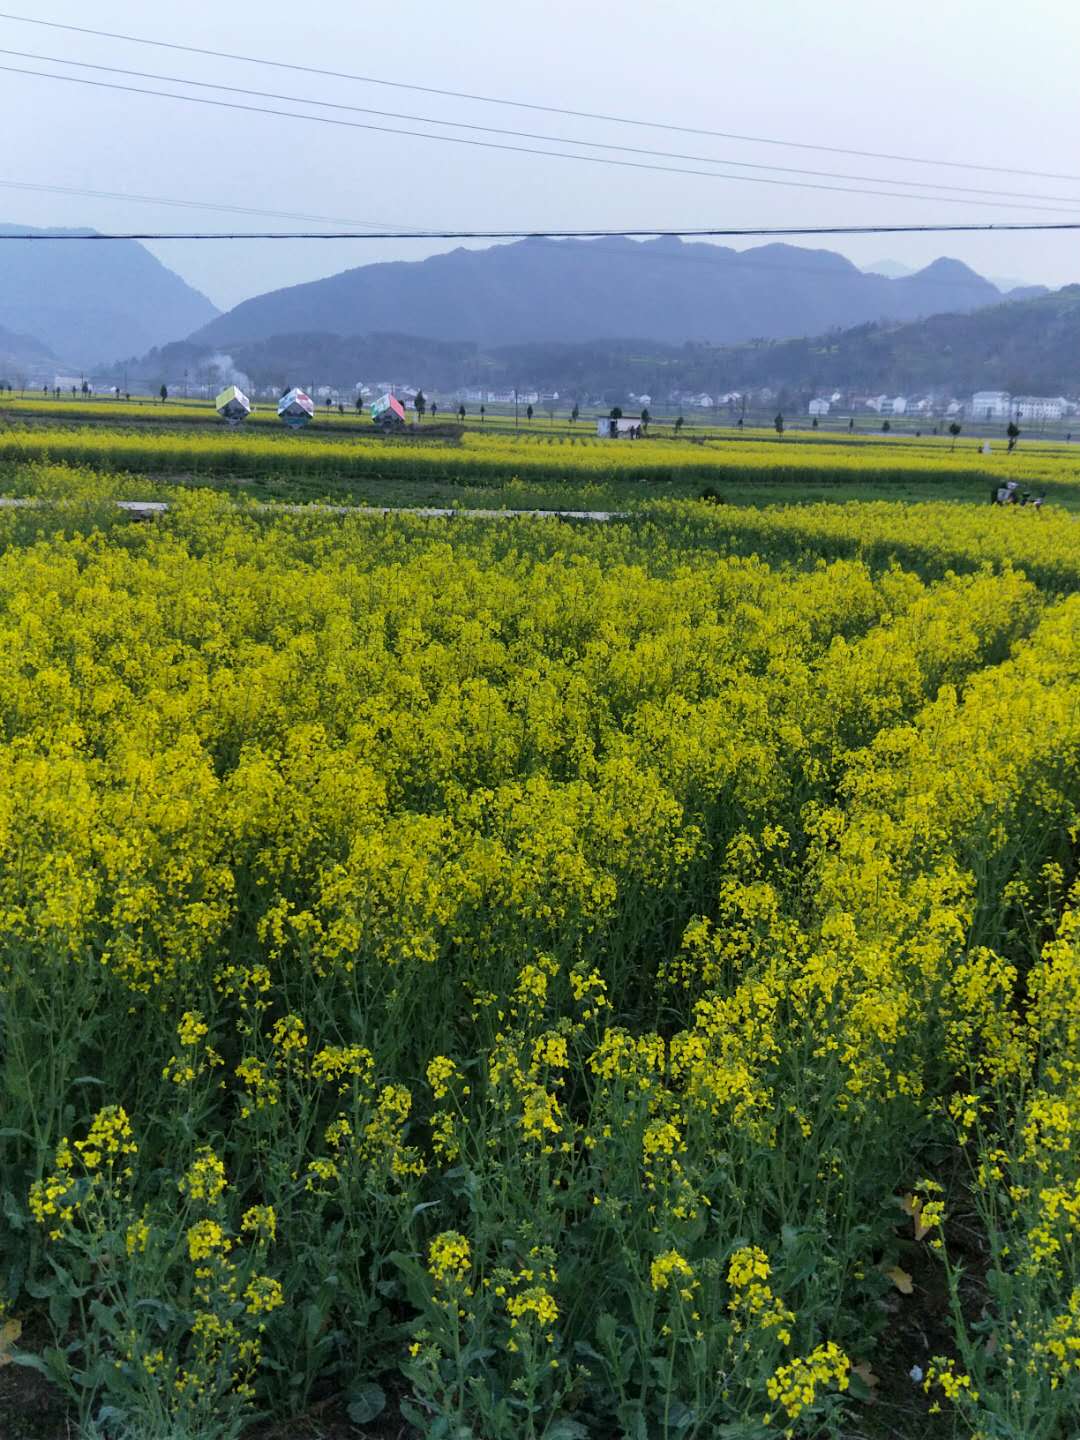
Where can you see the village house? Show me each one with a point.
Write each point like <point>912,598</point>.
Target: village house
<point>1039,407</point>
<point>990,405</point>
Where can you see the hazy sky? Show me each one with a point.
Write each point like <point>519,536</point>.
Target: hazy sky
<point>952,80</point>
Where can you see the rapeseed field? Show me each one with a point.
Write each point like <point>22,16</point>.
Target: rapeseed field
<point>476,459</point>
<point>537,981</point>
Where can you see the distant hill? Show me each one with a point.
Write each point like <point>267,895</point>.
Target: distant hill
<point>1026,347</point>
<point>1023,346</point>
<point>577,290</point>
<point>23,358</point>
<point>96,301</point>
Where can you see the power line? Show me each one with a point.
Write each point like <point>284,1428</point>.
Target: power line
<point>521,149</point>
<point>546,109</point>
<point>740,259</point>
<point>534,135</point>
<point>731,233</point>
<point>189,204</point>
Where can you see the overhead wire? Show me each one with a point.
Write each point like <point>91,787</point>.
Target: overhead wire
<point>744,232</point>
<point>649,151</point>
<point>535,106</point>
<point>740,259</point>
<point>189,204</point>
<point>524,150</point>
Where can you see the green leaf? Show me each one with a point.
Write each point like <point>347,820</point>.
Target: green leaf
<point>414,1415</point>
<point>366,1403</point>
<point>424,1205</point>
<point>105,1317</point>
<point>564,1427</point>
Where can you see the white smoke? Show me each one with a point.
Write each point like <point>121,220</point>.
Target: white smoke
<point>228,373</point>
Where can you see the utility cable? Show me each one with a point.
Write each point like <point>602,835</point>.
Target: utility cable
<point>529,105</point>
<point>523,149</point>
<point>741,232</point>
<point>742,260</point>
<point>190,204</point>
<point>534,135</point>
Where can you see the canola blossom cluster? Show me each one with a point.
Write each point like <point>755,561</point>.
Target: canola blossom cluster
<point>567,979</point>
<point>489,459</point>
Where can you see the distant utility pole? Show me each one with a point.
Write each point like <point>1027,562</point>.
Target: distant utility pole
<point>515,408</point>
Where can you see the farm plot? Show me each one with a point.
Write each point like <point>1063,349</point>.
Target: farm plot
<point>526,981</point>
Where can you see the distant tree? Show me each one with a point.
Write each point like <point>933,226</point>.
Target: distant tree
<point>164,393</point>
<point>885,427</point>
<point>738,423</point>
<point>359,403</point>
<point>529,413</point>
<point>574,413</point>
<point>434,409</point>
<point>813,423</point>
<point>45,390</point>
<point>615,413</point>
<point>483,413</point>
<point>645,418</point>
<point>851,424</point>
<point>461,413</point>
<point>1013,432</point>
<point>954,431</point>
<point>679,423</point>
<point>420,404</point>
<point>778,426</point>
<point>341,408</point>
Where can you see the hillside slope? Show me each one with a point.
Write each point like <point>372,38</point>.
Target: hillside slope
<point>95,301</point>
<point>24,360</point>
<point>576,290</point>
<point>1028,346</point>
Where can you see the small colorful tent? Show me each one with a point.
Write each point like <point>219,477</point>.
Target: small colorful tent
<point>385,408</point>
<point>295,408</point>
<point>233,405</point>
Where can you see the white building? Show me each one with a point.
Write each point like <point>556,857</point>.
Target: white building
<point>896,406</point>
<point>1039,407</point>
<point>818,407</point>
<point>990,405</point>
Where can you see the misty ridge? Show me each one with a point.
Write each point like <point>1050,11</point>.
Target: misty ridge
<point>580,290</point>
<point>603,318</point>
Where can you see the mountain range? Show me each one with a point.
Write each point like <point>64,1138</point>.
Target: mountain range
<point>470,312</point>
<point>1023,346</point>
<point>578,290</point>
<point>94,301</point>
